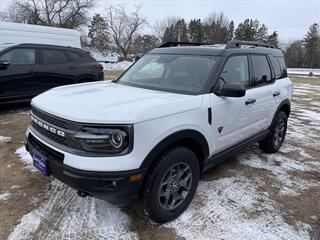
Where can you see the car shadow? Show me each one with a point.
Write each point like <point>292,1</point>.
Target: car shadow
<point>14,107</point>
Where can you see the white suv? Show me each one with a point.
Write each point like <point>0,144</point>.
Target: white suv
<point>172,115</point>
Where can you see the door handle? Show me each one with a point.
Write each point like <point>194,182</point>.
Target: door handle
<point>250,101</point>
<point>73,67</point>
<point>33,71</point>
<point>277,93</point>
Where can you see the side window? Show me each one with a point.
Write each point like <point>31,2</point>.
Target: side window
<point>276,67</point>
<point>236,70</point>
<point>53,57</point>
<point>20,56</point>
<point>73,56</point>
<point>283,67</point>
<point>261,70</point>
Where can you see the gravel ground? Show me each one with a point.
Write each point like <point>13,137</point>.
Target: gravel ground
<point>251,196</point>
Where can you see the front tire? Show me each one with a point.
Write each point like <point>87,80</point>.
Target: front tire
<point>275,138</point>
<point>171,184</point>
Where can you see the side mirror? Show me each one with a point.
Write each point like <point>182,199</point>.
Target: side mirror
<point>233,90</point>
<point>4,65</point>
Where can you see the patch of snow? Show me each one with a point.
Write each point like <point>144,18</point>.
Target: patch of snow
<point>26,158</point>
<point>4,196</point>
<point>70,217</point>
<point>4,139</point>
<point>28,224</point>
<point>311,114</point>
<point>120,66</point>
<point>304,154</point>
<point>234,209</point>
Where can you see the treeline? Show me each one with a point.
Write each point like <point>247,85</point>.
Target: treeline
<point>217,29</point>
<point>119,30</point>
<point>305,53</point>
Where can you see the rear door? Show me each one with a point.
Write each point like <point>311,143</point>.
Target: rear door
<point>55,70</point>
<point>263,88</point>
<point>19,80</point>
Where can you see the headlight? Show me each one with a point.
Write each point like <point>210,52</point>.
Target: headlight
<point>105,140</point>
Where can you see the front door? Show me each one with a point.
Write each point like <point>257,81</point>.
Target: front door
<point>232,121</point>
<point>18,81</point>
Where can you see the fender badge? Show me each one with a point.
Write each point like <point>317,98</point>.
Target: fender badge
<point>220,129</point>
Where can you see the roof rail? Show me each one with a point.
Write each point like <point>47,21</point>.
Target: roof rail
<point>177,44</point>
<point>238,44</point>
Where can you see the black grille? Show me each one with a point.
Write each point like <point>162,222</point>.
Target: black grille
<point>68,127</point>
<point>43,149</point>
<point>49,134</point>
<point>56,121</point>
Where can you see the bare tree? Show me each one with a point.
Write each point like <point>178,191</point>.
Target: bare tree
<point>161,26</point>
<point>123,26</point>
<point>60,13</point>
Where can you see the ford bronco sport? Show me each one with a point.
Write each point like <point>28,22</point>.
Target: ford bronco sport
<point>176,112</point>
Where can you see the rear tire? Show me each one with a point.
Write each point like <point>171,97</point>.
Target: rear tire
<point>275,138</point>
<point>171,184</point>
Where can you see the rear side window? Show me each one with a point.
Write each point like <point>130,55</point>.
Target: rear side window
<point>53,56</point>
<point>20,56</point>
<point>276,67</point>
<point>283,66</point>
<point>73,56</point>
<point>261,70</point>
<point>236,70</point>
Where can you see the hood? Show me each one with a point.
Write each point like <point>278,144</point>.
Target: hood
<point>111,103</point>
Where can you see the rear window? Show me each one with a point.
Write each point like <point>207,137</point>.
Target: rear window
<point>53,56</point>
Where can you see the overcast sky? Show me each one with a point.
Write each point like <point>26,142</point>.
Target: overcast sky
<point>290,18</point>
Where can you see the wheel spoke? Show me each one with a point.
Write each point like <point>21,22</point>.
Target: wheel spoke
<point>184,182</point>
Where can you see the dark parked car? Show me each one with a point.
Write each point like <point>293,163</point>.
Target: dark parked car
<point>29,69</point>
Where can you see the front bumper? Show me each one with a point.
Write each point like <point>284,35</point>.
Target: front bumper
<point>119,187</point>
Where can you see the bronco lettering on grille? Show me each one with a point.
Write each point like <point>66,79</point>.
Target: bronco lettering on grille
<point>48,127</point>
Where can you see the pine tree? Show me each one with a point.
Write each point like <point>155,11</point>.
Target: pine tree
<point>98,33</point>
<point>246,30</point>
<point>195,31</point>
<point>312,45</point>
<point>169,35</point>
<point>181,31</point>
<point>273,39</point>
<point>262,34</point>
<point>231,30</point>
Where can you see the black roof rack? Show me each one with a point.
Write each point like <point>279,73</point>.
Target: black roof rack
<point>176,44</point>
<point>238,44</point>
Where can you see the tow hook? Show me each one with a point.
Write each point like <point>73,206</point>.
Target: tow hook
<point>83,194</point>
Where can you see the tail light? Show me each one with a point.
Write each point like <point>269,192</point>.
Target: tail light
<point>100,67</point>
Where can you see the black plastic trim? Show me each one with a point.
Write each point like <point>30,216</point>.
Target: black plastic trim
<point>173,138</point>
<point>234,150</point>
<point>114,187</point>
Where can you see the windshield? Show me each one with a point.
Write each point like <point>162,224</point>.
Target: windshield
<point>170,72</point>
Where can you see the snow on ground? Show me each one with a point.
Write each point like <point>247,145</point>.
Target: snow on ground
<point>4,139</point>
<point>228,204</point>
<point>4,196</point>
<point>303,71</point>
<point>26,158</point>
<point>120,66</point>
<point>235,206</point>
